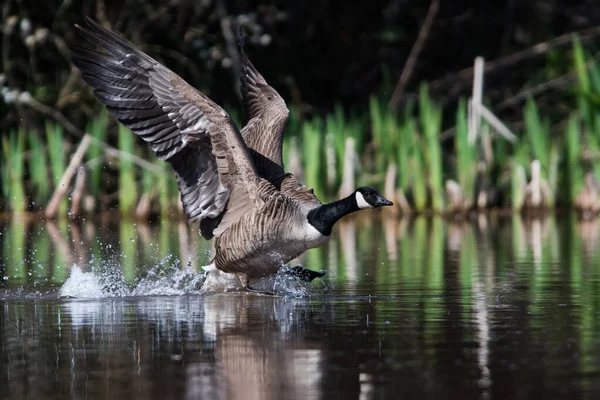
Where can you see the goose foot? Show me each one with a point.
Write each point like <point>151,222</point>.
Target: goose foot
<point>246,286</point>
<point>304,274</point>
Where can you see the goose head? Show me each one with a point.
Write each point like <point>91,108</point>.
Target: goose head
<point>323,218</point>
<point>368,197</point>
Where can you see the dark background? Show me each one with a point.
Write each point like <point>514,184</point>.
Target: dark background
<point>316,53</point>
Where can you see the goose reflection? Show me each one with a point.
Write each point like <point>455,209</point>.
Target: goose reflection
<point>259,350</point>
<point>225,346</point>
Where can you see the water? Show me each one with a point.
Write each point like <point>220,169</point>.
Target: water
<point>500,308</point>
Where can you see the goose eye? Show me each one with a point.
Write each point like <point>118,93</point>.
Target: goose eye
<point>269,98</point>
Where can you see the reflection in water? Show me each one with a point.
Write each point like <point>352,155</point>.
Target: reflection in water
<point>347,229</point>
<point>494,308</point>
<point>215,341</point>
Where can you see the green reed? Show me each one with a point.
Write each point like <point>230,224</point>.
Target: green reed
<point>312,150</point>
<point>573,174</point>
<point>127,181</point>
<point>162,187</point>
<point>404,147</point>
<point>416,163</point>
<point>14,250</point>
<point>466,155</point>
<point>544,149</point>
<point>584,79</point>
<point>430,116</point>
<point>38,170</point>
<point>57,157</point>
<point>385,129</point>
<point>97,129</point>
<point>128,247</point>
<point>587,96</point>
<point>13,171</point>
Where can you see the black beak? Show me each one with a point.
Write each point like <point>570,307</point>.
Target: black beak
<point>382,201</point>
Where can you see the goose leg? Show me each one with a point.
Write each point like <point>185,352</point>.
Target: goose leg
<point>244,280</point>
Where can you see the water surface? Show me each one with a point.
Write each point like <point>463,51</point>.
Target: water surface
<point>494,309</point>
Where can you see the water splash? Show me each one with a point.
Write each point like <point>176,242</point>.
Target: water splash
<point>167,278</point>
<point>108,281</point>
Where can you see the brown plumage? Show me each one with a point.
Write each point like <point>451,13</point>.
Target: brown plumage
<point>232,183</point>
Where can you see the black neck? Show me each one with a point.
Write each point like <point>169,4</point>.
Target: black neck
<point>324,217</point>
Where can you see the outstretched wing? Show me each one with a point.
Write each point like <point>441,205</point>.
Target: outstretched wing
<point>265,118</point>
<point>184,127</point>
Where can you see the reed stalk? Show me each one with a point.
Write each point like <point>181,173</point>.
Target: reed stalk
<point>518,183</point>
<point>584,81</point>
<point>416,177</point>
<point>13,170</point>
<point>97,130</point>
<point>384,126</point>
<point>57,156</point>
<point>573,173</point>
<point>129,244</point>
<point>127,182</point>
<point>38,170</point>
<point>466,156</point>
<point>162,186</point>
<point>404,147</point>
<point>312,149</point>
<point>431,122</point>
<point>543,148</point>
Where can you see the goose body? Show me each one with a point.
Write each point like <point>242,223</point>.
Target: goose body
<point>281,232</point>
<point>233,183</point>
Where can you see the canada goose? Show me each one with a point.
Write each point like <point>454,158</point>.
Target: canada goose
<point>232,183</point>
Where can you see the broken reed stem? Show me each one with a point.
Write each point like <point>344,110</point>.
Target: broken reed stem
<point>474,106</point>
<point>414,54</point>
<point>462,76</point>
<point>64,183</point>
<point>68,125</point>
<point>78,191</point>
<point>143,208</point>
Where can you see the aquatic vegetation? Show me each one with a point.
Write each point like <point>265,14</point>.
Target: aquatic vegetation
<point>312,150</point>
<point>573,173</point>
<point>38,170</point>
<point>127,182</point>
<point>57,158</point>
<point>97,128</point>
<point>544,150</point>
<point>430,116</point>
<point>13,171</point>
<point>466,157</point>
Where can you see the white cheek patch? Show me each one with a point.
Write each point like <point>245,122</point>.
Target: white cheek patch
<point>362,203</point>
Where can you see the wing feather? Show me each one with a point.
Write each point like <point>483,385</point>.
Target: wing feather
<point>265,118</point>
<point>184,127</point>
